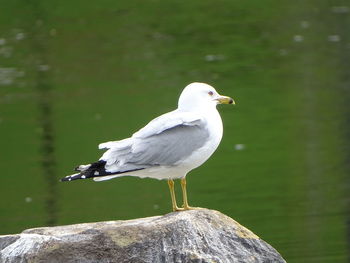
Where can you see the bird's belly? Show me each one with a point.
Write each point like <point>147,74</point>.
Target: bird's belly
<point>201,155</point>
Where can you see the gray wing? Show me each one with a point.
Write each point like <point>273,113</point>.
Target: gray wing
<point>170,146</point>
<point>166,148</point>
<point>164,141</point>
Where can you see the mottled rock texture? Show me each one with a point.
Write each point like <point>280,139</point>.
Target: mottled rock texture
<point>199,235</point>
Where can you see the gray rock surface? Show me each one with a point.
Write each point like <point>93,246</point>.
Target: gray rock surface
<point>199,235</point>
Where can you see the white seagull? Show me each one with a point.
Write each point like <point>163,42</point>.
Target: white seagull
<point>168,147</point>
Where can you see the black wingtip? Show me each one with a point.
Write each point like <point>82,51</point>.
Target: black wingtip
<point>69,178</point>
<point>65,179</point>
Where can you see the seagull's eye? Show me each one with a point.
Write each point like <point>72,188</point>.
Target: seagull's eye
<point>211,93</point>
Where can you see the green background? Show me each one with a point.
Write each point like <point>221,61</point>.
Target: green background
<point>74,74</point>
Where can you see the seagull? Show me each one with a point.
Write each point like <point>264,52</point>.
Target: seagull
<point>168,147</point>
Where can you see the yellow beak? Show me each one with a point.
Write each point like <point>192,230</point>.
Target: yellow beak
<point>225,100</point>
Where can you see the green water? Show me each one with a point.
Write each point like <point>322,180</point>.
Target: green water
<point>74,74</point>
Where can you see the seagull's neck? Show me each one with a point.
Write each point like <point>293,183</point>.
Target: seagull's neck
<point>200,108</point>
<point>210,113</point>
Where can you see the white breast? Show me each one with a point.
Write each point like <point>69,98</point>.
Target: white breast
<point>215,128</point>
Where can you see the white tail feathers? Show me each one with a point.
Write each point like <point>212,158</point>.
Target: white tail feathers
<point>115,144</point>
<point>106,145</point>
<point>83,167</point>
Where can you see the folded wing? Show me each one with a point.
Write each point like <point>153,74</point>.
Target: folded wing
<point>164,141</point>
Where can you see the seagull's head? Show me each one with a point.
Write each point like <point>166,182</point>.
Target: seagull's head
<point>198,95</point>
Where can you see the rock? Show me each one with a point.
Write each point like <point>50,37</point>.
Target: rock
<point>199,235</point>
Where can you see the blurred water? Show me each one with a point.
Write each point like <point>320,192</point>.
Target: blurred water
<point>70,80</point>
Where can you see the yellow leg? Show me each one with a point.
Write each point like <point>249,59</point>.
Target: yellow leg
<point>172,194</point>
<point>184,194</point>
